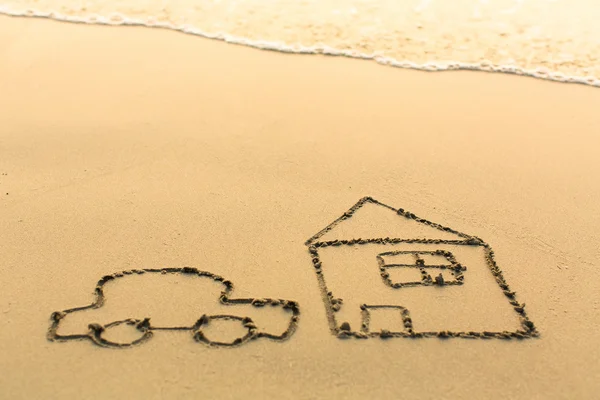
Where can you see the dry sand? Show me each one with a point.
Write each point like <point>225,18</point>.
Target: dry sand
<point>130,148</point>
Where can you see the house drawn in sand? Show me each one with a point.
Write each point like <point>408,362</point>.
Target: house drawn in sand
<point>384,272</point>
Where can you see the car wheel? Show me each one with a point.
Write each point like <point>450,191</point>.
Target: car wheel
<point>125,333</point>
<point>225,336</point>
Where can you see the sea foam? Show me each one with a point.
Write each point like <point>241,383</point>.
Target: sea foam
<point>556,40</point>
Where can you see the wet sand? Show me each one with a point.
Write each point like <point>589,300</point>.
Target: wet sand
<point>132,148</point>
<point>549,39</point>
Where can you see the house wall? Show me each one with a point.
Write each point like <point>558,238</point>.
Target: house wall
<point>352,273</point>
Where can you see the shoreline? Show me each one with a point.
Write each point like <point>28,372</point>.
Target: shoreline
<point>117,19</point>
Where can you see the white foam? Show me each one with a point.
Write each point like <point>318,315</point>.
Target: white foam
<point>118,19</point>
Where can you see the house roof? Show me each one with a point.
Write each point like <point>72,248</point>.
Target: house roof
<point>371,219</point>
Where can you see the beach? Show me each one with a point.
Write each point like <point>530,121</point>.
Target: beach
<point>127,148</point>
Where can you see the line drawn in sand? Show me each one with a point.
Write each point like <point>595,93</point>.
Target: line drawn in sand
<point>142,329</point>
<point>446,264</point>
<point>424,279</point>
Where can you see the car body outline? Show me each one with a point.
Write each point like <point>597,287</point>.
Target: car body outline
<point>145,327</point>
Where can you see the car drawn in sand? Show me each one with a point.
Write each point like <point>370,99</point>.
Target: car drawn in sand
<point>239,313</point>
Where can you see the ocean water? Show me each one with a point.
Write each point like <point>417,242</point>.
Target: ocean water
<point>549,39</point>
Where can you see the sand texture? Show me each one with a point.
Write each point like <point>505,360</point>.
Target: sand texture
<point>549,39</point>
<point>184,218</point>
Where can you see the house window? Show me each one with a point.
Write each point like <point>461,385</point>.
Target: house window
<point>419,268</point>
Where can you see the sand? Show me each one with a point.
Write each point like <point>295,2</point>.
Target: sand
<point>132,148</point>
